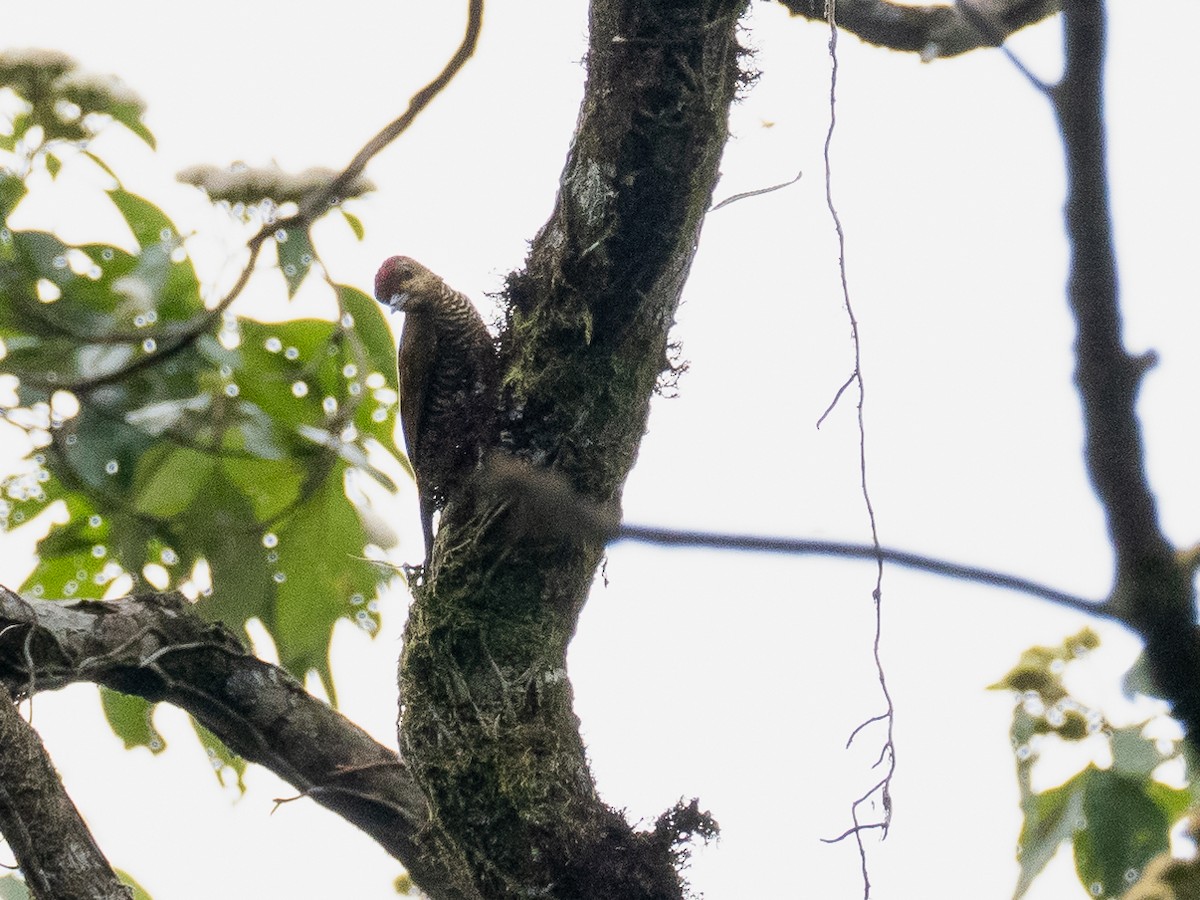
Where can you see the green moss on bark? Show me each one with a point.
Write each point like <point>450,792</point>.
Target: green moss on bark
<point>488,726</point>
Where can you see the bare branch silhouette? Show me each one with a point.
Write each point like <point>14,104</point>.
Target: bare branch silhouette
<point>1154,592</point>
<point>154,646</point>
<point>758,192</point>
<point>887,753</point>
<point>811,547</point>
<point>935,30</point>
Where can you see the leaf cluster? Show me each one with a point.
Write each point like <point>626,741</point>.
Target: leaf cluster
<point>58,101</point>
<point>1118,818</point>
<point>177,442</point>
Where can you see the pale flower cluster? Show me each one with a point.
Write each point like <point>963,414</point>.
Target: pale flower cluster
<point>250,185</point>
<point>33,72</point>
<point>61,95</point>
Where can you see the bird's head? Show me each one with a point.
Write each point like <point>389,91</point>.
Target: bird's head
<point>402,283</point>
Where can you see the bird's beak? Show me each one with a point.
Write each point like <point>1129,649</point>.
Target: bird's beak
<point>397,301</point>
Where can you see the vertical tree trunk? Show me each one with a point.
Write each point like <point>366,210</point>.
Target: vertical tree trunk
<point>487,722</point>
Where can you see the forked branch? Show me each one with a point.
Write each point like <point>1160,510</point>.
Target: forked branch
<point>1154,593</point>
<point>154,646</point>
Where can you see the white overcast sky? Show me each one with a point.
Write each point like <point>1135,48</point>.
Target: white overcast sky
<point>734,678</point>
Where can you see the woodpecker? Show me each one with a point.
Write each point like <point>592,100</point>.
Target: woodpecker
<point>448,375</point>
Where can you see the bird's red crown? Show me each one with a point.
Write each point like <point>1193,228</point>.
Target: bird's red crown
<point>394,269</point>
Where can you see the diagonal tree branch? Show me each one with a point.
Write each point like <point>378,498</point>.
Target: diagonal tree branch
<point>934,31</point>
<point>56,852</point>
<point>311,208</point>
<point>315,204</point>
<point>813,547</point>
<point>154,646</point>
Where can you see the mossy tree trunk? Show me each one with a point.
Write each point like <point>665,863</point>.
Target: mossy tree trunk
<point>487,723</point>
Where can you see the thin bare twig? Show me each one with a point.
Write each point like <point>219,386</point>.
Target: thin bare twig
<point>755,193</point>
<point>917,561</point>
<point>995,36</point>
<point>311,208</point>
<point>888,751</point>
<point>315,204</point>
<point>185,338</point>
<point>849,831</point>
<point>834,402</point>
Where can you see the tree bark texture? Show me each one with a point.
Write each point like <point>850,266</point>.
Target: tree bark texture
<point>936,31</point>
<point>49,839</point>
<point>155,646</point>
<point>487,724</point>
<point>1154,591</point>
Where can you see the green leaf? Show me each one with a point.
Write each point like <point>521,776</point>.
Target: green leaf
<point>350,453</point>
<point>180,416</point>
<point>1138,679</point>
<point>369,325</point>
<point>64,577</point>
<point>296,256</point>
<point>53,164</point>
<point>1124,830</point>
<point>149,224</point>
<point>1173,802</point>
<point>1051,818</point>
<point>221,757</point>
<point>171,279</point>
<point>84,311</point>
<point>21,123</point>
<point>139,892</point>
<point>13,888</point>
<point>102,451</point>
<point>355,224</point>
<point>102,294</point>
<point>130,115</point>
<point>1134,755</point>
<point>321,577</point>
<point>278,370</point>
<point>102,164</point>
<point>241,573</point>
<point>73,557</point>
<point>131,538</point>
<point>169,478</point>
<point>272,486</point>
<point>42,255</point>
<point>256,434</point>
<point>1039,669</point>
<point>99,541</point>
<point>131,719</point>
<point>373,349</point>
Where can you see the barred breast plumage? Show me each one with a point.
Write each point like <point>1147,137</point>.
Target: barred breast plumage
<point>448,381</point>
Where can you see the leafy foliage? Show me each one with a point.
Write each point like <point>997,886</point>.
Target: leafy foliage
<point>1117,819</point>
<point>63,103</point>
<point>189,446</point>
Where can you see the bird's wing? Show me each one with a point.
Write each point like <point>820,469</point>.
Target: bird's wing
<point>418,349</point>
